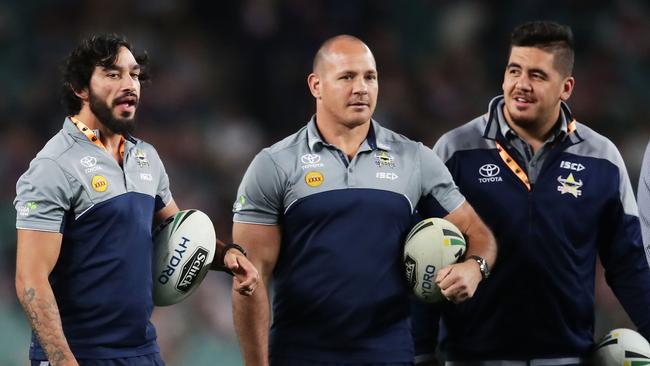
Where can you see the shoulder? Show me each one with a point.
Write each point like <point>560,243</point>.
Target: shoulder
<point>56,147</point>
<point>400,144</point>
<point>287,147</point>
<point>591,144</point>
<point>468,136</point>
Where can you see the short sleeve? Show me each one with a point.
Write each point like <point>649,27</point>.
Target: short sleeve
<point>260,195</point>
<point>440,195</point>
<point>163,192</point>
<point>644,199</point>
<point>42,197</point>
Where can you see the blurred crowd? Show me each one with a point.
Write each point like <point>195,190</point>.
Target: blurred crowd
<point>229,77</point>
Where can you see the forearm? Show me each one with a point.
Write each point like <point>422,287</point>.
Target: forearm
<point>41,309</point>
<point>481,242</point>
<point>251,317</point>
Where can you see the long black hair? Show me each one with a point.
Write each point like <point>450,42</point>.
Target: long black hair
<point>96,50</point>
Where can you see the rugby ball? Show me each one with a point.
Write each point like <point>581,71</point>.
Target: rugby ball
<point>184,247</point>
<point>622,347</point>
<point>431,245</point>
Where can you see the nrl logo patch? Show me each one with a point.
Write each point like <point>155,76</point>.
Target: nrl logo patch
<point>384,159</point>
<point>569,185</point>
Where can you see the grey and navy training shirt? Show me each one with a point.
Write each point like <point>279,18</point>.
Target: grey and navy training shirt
<point>339,289</point>
<point>102,279</point>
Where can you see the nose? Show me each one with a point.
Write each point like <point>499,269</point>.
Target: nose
<point>360,86</point>
<point>128,84</point>
<point>523,83</point>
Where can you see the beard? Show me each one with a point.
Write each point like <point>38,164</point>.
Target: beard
<point>104,113</point>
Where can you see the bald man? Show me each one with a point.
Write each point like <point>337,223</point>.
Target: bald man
<point>325,212</point>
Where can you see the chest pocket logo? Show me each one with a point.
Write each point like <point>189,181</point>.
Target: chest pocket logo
<point>489,173</point>
<point>314,179</point>
<point>99,183</point>
<point>569,185</point>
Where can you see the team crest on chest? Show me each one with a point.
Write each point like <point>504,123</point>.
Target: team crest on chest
<point>570,185</point>
<point>384,159</point>
<point>141,158</point>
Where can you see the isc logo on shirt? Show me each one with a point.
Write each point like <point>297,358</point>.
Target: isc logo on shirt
<point>386,175</point>
<point>572,166</point>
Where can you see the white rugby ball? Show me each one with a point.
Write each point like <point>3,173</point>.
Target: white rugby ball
<point>184,247</point>
<point>622,347</point>
<point>431,245</point>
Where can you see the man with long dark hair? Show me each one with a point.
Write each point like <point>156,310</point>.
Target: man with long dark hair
<point>85,209</point>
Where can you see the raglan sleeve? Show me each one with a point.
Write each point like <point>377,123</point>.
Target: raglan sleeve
<point>260,197</point>
<point>163,190</point>
<point>439,195</point>
<point>43,197</point>
<point>623,254</point>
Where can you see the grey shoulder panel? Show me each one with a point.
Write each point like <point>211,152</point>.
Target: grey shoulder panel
<point>466,137</point>
<point>597,146</point>
<point>56,146</point>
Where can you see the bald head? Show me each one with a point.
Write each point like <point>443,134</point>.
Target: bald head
<point>341,44</point>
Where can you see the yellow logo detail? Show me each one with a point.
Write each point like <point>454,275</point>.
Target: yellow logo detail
<point>99,183</point>
<point>314,179</point>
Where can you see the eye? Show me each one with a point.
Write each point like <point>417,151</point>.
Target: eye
<point>135,75</point>
<point>371,77</point>
<point>513,72</point>
<point>113,75</point>
<point>538,76</point>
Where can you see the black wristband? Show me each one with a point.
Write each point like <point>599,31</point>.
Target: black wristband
<point>226,248</point>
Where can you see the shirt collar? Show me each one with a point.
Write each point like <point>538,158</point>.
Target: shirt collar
<point>558,131</point>
<point>376,138</point>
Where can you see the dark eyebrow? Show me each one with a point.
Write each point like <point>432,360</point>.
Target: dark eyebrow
<point>135,67</point>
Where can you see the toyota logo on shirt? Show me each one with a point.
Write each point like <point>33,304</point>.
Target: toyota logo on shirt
<point>311,161</point>
<point>88,161</point>
<point>310,158</point>
<point>489,170</point>
<point>489,173</point>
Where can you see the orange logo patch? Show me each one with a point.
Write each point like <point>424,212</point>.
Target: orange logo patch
<point>314,179</point>
<point>99,183</point>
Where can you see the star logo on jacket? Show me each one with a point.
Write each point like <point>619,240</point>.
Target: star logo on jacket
<point>569,185</point>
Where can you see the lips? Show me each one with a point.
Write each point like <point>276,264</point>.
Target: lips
<point>129,100</point>
<point>523,99</point>
<point>358,104</point>
<point>127,103</point>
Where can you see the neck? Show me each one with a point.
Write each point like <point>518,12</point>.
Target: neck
<point>347,138</point>
<point>109,139</point>
<point>534,133</point>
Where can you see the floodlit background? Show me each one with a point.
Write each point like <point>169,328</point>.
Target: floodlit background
<point>229,77</point>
